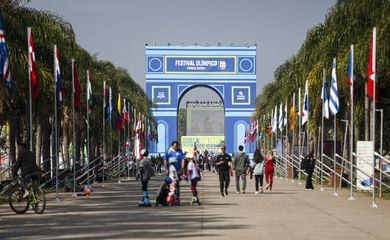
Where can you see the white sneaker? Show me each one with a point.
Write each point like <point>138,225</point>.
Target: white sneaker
<point>266,187</point>
<point>257,192</point>
<point>25,194</point>
<point>238,192</point>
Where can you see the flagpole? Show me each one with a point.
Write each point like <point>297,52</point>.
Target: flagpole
<point>104,129</point>
<point>119,141</point>
<point>286,148</point>
<point>110,104</point>
<point>74,133</point>
<point>351,198</point>
<point>334,156</point>
<point>55,119</point>
<point>322,131</point>
<point>299,136</point>
<point>88,110</point>
<point>373,204</point>
<point>293,139</point>
<point>29,86</point>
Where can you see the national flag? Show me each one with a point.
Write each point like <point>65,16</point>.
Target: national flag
<point>76,89</point>
<point>89,93</point>
<point>32,66</point>
<point>293,113</point>
<point>334,94</point>
<point>138,126</point>
<point>371,80</point>
<point>5,66</point>
<point>281,117</point>
<point>119,113</point>
<point>254,131</point>
<point>57,76</point>
<point>324,97</point>
<point>350,69</point>
<point>274,120</point>
<point>110,106</point>
<point>124,113</point>
<point>305,112</point>
<point>285,115</point>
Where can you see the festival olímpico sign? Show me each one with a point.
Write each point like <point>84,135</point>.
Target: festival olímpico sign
<point>171,71</point>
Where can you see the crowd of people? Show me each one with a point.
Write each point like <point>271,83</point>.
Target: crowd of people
<point>190,166</point>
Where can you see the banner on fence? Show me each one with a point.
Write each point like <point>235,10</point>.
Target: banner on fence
<point>364,162</point>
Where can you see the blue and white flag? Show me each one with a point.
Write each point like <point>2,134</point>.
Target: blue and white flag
<point>5,70</point>
<point>305,112</point>
<point>57,76</point>
<point>281,117</point>
<point>324,97</point>
<point>275,120</point>
<point>334,106</point>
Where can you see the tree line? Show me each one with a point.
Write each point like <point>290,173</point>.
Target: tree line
<point>346,23</point>
<point>49,29</point>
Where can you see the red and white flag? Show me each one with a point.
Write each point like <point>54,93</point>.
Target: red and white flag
<point>372,68</point>
<point>32,66</point>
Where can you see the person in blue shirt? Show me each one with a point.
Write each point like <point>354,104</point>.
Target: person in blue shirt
<point>176,152</point>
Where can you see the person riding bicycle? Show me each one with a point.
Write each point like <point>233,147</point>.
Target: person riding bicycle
<point>29,169</point>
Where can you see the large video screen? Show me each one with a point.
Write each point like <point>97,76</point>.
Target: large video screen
<point>205,121</point>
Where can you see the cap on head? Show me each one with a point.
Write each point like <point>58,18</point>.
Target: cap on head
<point>189,155</point>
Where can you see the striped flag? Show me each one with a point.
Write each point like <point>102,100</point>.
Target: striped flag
<point>89,93</point>
<point>285,115</point>
<point>324,97</point>
<point>281,117</point>
<point>5,66</point>
<point>372,68</point>
<point>305,112</point>
<point>57,76</point>
<point>334,106</point>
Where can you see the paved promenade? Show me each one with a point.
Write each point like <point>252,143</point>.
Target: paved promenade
<point>289,212</point>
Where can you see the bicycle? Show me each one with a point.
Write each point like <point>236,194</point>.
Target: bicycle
<point>20,204</point>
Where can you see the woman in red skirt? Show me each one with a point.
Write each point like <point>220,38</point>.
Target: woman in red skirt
<point>269,170</point>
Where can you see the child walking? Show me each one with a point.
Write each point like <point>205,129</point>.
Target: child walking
<point>173,198</point>
<point>193,174</point>
<point>145,167</point>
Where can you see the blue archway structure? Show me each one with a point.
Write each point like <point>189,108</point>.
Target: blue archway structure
<point>171,71</point>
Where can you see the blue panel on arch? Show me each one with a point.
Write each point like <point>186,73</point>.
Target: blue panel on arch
<point>200,64</point>
<point>246,65</point>
<point>155,64</point>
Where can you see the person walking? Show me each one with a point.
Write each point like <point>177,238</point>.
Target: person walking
<point>146,171</point>
<point>258,172</point>
<point>269,170</point>
<point>310,165</point>
<point>223,164</point>
<point>240,167</point>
